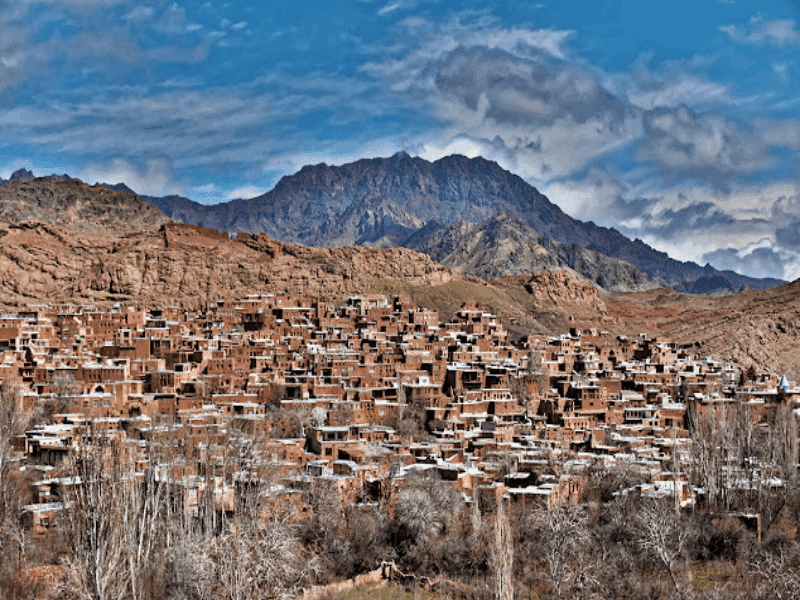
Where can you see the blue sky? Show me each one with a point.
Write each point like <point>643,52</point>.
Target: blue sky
<point>677,123</point>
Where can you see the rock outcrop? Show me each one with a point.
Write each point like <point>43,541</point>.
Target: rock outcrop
<point>77,206</point>
<point>503,245</point>
<point>759,327</point>
<point>187,266</point>
<point>559,295</point>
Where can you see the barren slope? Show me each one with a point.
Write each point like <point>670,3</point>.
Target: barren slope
<point>187,265</point>
<point>77,206</point>
<point>503,245</point>
<point>760,327</point>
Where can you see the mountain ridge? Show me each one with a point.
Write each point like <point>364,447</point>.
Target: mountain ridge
<point>73,204</point>
<point>396,201</point>
<point>503,245</point>
<point>323,205</point>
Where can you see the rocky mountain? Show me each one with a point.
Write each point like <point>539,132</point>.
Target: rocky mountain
<point>503,245</point>
<point>467,213</point>
<point>20,175</point>
<point>507,246</point>
<point>26,175</point>
<point>376,202</point>
<point>77,206</point>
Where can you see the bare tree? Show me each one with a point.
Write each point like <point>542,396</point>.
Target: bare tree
<point>783,445</point>
<point>96,561</point>
<point>258,557</point>
<point>663,536</point>
<point>777,573</point>
<point>537,369</point>
<point>502,555</point>
<point>475,519</point>
<point>318,416</point>
<point>142,522</point>
<point>13,421</point>
<point>426,506</point>
<point>721,437</point>
<point>64,389</point>
<point>13,536</point>
<point>563,541</point>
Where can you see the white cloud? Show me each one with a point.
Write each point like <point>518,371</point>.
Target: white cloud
<point>592,198</point>
<point>172,20</point>
<point>208,188</point>
<point>247,191</point>
<point>139,13</point>
<point>671,85</point>
<point>338,153</point>
<point>694,222</point>
<point>781,133</point>
<point>210,193</point>
<point>509,94</point>
<point>157,178</point>
<point>761,258</point>
<point>758,31</point>
<point>427,42</point>
<point>391,7</point>
<point>704,145</point>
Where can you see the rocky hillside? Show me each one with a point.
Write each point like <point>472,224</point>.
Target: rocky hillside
<point>76,206</point>
<point>503,245</point>
<point>188,265</point>
<point>382,201</point>
<point>760,327</point>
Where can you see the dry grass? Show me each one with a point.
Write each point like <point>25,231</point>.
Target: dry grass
<point>507,303</point>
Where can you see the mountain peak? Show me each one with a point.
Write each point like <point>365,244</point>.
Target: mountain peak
<point>21,175</point>
<point>117,187</point>
<point>76,206</point>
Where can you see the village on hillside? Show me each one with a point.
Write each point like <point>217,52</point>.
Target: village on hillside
<point>361,396</point>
